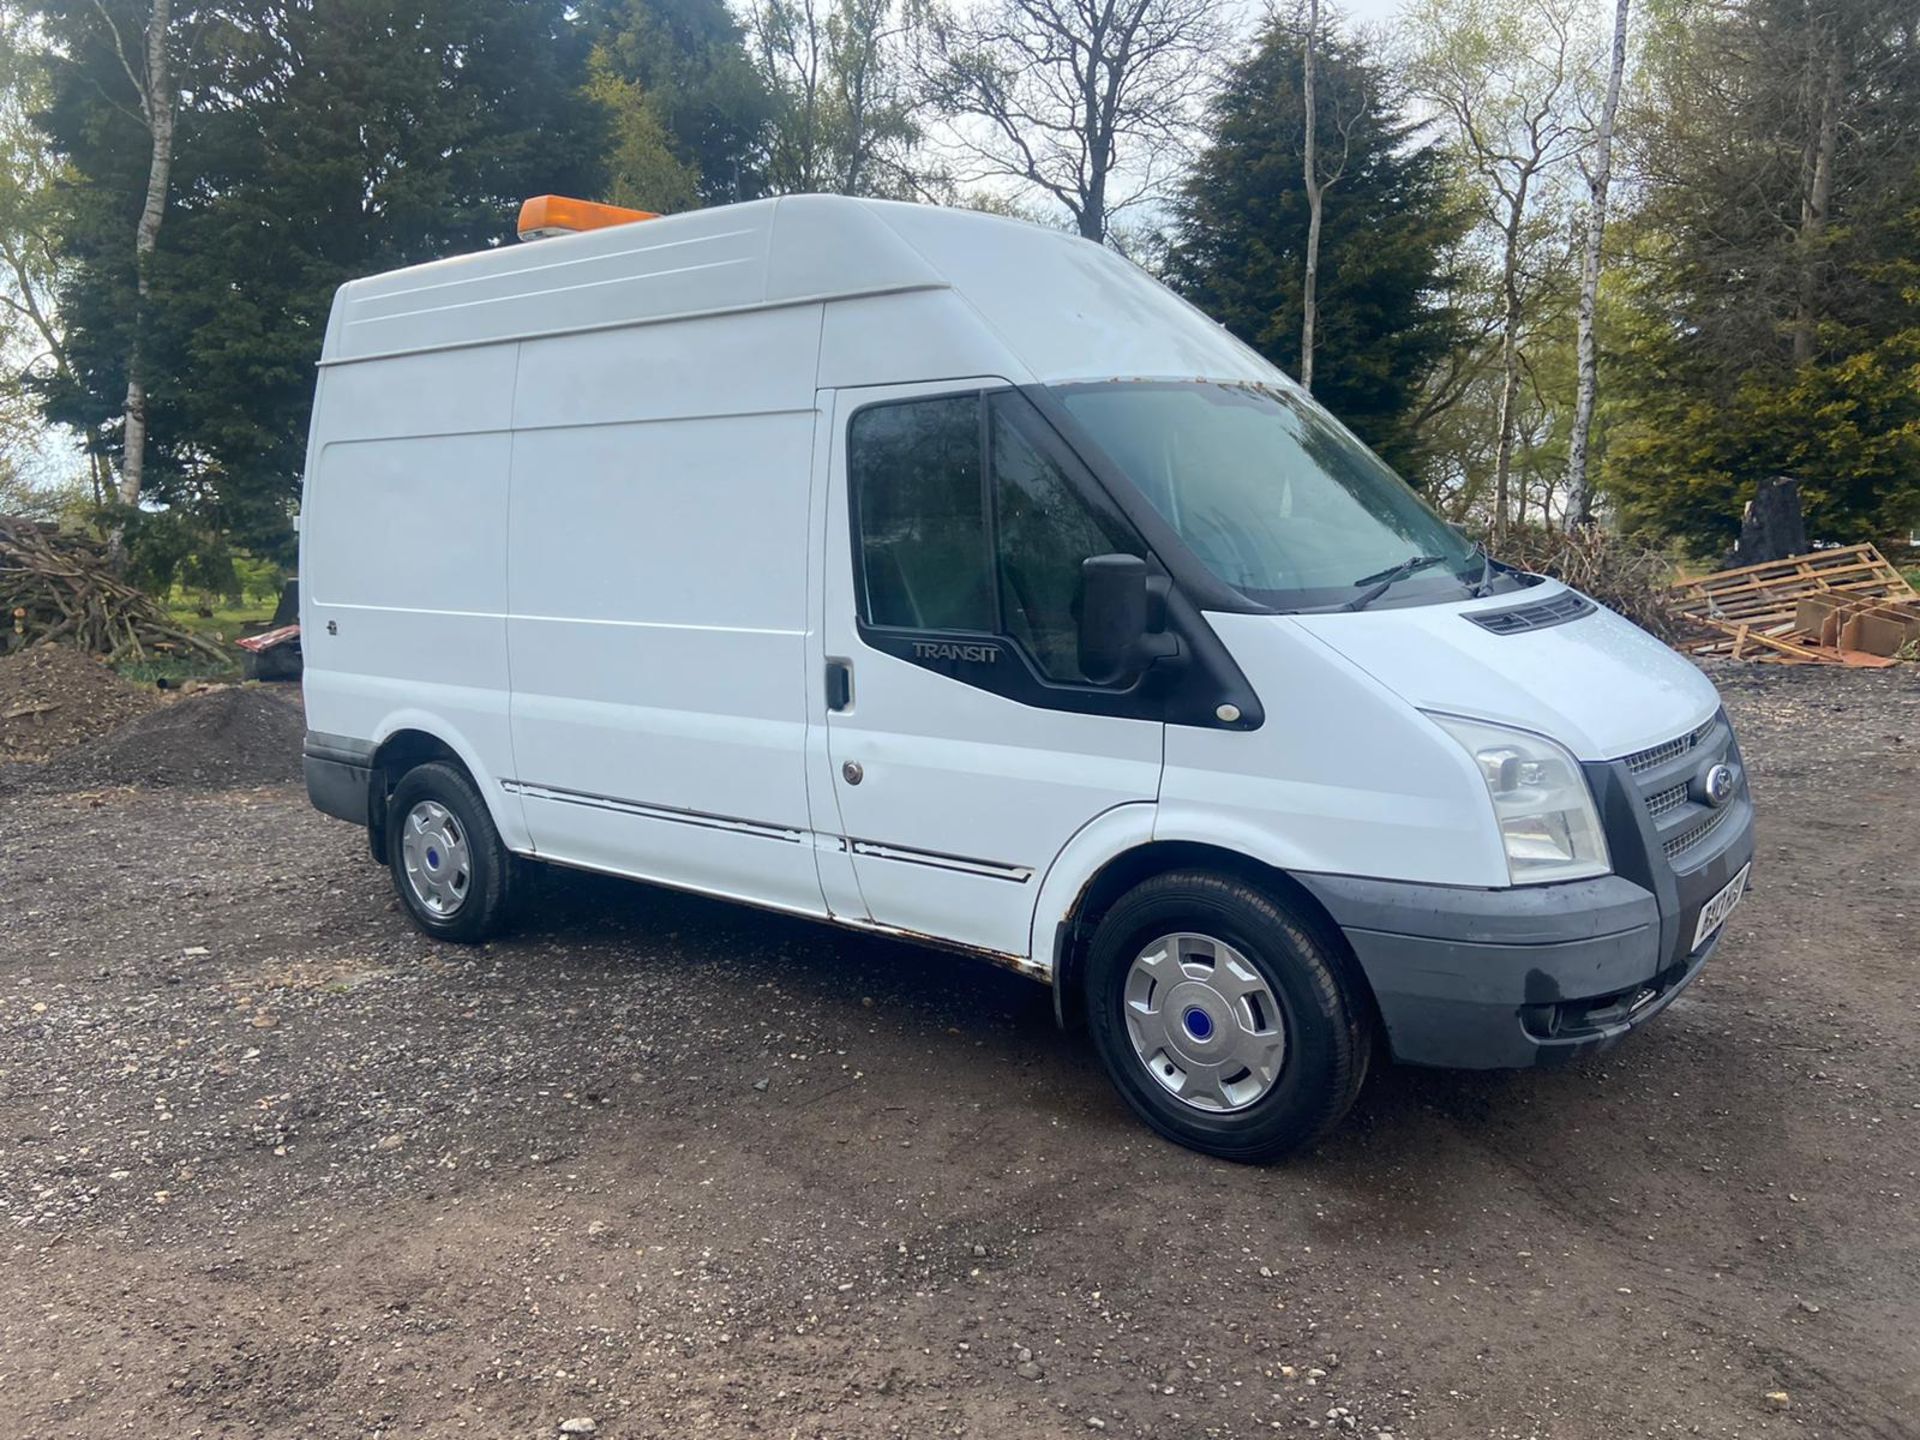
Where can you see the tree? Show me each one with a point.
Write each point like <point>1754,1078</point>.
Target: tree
<point>842,120</point>
<point>310,149</point>
<point>1774,299</point>
<point>128,48</point>
<point>1088,101</point>
<point>1242,222</point>
<point>1317,186</point>
<point>1599,176</point>
<point>643,172</point>
<point>33,189</point>
<point>1506,79</point>
<point>690,65</point>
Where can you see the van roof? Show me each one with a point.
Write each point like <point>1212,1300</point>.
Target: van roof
<point>1040,292</point>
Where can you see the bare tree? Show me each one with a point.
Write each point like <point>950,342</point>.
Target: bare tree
<point>1825,72</point>
<point>835,70</point>
<point>146,68</point>
<point>34,191</point>
<point>864,45</point>
<point>1505,76</point>
<point>1091,101</point>
<point>1599,175</point>
<point>1316,198</point>
<point>1318,180</point>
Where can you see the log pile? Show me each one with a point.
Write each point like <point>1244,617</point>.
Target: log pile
<point>1845,606</point>
<point>57,586</point>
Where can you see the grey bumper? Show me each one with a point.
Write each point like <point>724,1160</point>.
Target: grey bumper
<point>1486,979</point>
<point>339,775</point>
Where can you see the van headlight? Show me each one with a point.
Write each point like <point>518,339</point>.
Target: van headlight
<point>1541,801</point>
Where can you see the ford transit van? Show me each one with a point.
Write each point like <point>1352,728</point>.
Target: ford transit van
<point>940,576</point>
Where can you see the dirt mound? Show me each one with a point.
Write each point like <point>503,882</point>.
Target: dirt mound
<point>53,698</point>
<point>230,736</point>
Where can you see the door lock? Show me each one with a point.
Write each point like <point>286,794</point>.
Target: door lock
<point>853,773</point>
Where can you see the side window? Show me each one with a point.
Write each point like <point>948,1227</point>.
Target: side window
<point>925,559</point>
<point>967,524</point>
<point>1043,531</point>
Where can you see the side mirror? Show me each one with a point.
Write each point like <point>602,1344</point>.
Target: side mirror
<point>1122,619</point>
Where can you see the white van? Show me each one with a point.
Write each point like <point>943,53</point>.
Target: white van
<point>941,576</point>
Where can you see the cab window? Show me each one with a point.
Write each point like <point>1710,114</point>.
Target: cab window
<point>968,522</point>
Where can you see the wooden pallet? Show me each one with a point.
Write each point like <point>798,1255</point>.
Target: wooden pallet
<point>1752,612</point>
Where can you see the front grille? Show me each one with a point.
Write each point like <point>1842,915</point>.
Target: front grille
<point>1652,759</point>
<point>1666,801</point>
<point>1677,845</point>
<point>1663,777</point>
<point>1568,605</point>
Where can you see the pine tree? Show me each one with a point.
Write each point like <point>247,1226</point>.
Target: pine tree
<point>688,64</point>
<point>1389,224</point>
<point>1775,304</point>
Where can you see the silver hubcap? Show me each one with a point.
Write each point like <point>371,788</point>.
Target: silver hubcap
<point>433,847</point>
<point>1204,1022</point>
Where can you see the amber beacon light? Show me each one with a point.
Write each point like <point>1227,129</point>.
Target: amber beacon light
<point>546,215</point>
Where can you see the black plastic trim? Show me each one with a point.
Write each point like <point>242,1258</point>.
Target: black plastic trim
<point>1565,607</point>
<point>1636,839</point>
<point>343,749</point>
<point>340,790</point>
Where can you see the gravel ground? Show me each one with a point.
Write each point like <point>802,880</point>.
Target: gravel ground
<point>53,698</point>
<point>272,1165</point>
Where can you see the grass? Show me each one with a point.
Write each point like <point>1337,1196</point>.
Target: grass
<point>227,621</point>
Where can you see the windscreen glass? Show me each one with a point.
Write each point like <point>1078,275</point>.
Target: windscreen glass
<point>1273,495</point>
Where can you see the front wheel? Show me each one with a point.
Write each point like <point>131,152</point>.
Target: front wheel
<point>449,864</point>
<point>1223,1018</point>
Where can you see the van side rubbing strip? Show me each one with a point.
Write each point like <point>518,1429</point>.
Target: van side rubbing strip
<point>907,855</point>
<point>991,869</point>
<point>702,818</point>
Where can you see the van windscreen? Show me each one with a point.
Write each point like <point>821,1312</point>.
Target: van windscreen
<point>1275,497</point>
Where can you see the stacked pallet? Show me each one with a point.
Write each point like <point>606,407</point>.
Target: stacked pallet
<point>1831,607</point>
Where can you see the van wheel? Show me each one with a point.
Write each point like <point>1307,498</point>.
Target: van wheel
<point>1223,1019</point>
<point>448,861</point>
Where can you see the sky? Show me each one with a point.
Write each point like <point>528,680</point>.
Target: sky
<point>1369,13</point>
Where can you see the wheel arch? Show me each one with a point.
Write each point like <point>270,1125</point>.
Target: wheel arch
<point>1121,871</point>
<point>409,741</point>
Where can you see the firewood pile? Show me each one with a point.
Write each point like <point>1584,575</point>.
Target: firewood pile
<point>58,586</point>
<point>1845,606</point>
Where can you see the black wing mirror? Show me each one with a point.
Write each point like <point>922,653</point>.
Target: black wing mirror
<point>1123,619</point>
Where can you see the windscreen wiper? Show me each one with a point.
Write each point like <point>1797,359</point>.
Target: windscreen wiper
<point>1486,572</point>
<point>1384,580</point>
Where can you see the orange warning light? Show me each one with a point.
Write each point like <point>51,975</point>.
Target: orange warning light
<point>546,215</point>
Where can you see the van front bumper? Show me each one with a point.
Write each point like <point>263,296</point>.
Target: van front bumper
<point>1533,975</point>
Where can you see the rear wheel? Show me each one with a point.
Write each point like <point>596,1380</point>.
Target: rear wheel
<point>449,864</point>
<point>1223,1017</point>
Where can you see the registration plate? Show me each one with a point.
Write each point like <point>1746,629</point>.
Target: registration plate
<point>1714,913</point>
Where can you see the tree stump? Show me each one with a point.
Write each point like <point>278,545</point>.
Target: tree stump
<point>1772,527</point>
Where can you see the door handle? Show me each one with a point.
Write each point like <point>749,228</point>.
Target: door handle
<point>839,684</point>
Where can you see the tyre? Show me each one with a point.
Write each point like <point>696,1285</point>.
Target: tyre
<point>448,861</point>
<point>1223,1017</point>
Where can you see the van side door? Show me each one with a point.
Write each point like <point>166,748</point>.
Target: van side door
<point>658,588</point>
<point>964,746</point>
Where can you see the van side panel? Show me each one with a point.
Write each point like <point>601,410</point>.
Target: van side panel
<point>404,557</point>
<point>657,592</point>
